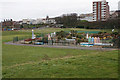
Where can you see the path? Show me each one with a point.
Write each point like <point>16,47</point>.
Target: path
<point>65,47</point>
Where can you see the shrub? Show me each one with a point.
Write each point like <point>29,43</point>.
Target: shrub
<point>69,37</point>
<point>80,36</point>
<point>115,33</point>
<point>100,32</point>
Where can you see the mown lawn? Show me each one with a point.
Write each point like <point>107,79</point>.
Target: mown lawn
<point>38,62</point>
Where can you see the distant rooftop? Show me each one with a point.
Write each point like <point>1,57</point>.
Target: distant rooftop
<point>100,1</point>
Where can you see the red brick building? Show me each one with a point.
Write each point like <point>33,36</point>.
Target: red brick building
<point>100,10</point>
<point>7,23</point>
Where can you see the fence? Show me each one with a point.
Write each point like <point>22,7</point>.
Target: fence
<point>15,39</point>
<point>61,43</point>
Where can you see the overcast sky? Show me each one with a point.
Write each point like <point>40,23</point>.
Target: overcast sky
<point>19,9</point>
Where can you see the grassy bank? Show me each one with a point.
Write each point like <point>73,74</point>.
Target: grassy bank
<point>37,62</point>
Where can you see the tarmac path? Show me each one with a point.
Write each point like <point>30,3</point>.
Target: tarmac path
<point>65,47</point>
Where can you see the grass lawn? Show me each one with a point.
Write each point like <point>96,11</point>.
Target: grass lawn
<point>38,62</point>
<point>48,30</point>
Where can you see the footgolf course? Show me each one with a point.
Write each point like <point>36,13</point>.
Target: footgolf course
<point>42,62</point>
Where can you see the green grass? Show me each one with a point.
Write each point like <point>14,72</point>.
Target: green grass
<point>109,30</point>
<point>38,62</point>
<point>83,65</point>
<point>27,53</point>
<point>49,30</point>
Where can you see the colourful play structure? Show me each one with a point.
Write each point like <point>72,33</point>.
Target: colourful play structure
<point>94,41</point>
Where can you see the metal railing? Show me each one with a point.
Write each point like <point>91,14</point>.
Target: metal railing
<point>16,39</point>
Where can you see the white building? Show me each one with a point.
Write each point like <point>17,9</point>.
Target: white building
<point>28,21</point>
<point>25,21</point>
<point>44,21</point>
<point>39,21</point>
<point>87,17</point>
<point>49,21</point>
<point>52,21</point>
<point>32,21</point>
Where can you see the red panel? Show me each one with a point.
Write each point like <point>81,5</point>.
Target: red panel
<point>97,12</point>
<point>100,11</point>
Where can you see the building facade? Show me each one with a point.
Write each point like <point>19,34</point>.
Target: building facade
<point>7,23</point>
<point>100,10</point>
<point>87,17</point>
<point>119,5</point>
<point>46,20</point>
<point>50,20</point>
<point>114,14</point>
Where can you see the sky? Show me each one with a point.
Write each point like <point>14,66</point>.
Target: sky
<point>33,9</point>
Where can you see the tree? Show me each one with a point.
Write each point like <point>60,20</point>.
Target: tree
<point>61,34</point>
<point>78,41</point>
<point>68,20</point>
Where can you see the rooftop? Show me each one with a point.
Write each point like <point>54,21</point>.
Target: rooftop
<point>100,1</point>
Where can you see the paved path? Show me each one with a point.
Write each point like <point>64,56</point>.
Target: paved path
<point>65,47</point>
